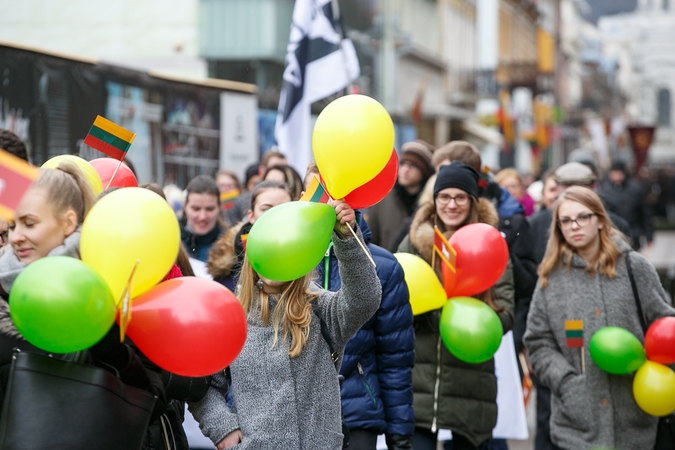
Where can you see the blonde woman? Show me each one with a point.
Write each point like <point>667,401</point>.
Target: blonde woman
<point>284,384</point>
<point>584,277</point>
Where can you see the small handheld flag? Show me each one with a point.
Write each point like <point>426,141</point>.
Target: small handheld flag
<point>444,250</point>
<point>574,336</point>
<point>109,138</point>
<point>315,192</point>
<point>16,176</point>
<point>227,199</point>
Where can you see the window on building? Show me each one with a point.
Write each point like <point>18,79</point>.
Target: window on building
<point>664,107</point>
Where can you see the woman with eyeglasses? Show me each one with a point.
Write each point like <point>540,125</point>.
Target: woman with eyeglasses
<point>584,277</point>
<point>449,393</point>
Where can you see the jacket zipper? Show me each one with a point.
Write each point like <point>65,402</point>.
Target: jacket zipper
<point>438,384</point>
<point>363,380</point>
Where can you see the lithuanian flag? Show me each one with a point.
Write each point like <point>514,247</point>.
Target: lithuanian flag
<point>227,199</point>
<point>109,138</point>
<point>574,333</point>
<point>315,192</point>
<point>16,176</point>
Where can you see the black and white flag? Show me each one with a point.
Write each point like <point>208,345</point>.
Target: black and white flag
<point>319,62</point>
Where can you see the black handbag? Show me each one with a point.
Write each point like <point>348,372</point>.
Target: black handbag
<point>665,432</point>
<point>57,404</point>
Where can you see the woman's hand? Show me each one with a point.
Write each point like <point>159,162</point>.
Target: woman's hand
<point>230,440</point>
<point>346,218</point>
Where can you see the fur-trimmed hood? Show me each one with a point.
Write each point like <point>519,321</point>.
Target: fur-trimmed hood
<point>422,228</point>
<point>223,257</point>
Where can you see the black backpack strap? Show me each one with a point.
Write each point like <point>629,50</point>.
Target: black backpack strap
<point>334,356</point>
<point>636,295</point>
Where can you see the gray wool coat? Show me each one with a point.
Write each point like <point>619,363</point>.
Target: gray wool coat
<point>281,402</point>
<point>594,408</point>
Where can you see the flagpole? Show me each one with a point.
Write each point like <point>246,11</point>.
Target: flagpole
<point>365,250</point>
<point>115,172</point>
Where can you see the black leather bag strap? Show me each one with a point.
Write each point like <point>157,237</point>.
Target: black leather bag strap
<point>636,294</point>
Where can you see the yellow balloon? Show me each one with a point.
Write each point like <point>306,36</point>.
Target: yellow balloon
<point>352,141</point>
<point>129,225</point>
<point>426,291</point>
<point>87,169</point>
<point>654,389</point>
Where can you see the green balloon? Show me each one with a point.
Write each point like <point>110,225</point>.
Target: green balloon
<point>616,350</point>
<point>470,329</point>
<point>61,305</point>
<point>289,240</point>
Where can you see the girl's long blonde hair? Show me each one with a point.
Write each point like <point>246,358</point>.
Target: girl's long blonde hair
<point>293,312</point>
<point>558,250</point>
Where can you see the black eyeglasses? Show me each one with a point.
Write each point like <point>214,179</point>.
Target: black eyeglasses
<point>582,220</point>
<point>460,200</point>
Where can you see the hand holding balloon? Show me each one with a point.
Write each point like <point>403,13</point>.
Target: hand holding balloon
<point>346,218</point>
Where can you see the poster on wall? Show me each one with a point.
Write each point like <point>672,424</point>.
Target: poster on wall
<point>239,132</point>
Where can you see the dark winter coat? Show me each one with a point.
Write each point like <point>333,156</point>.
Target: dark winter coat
<point>198,246</point>
<point>519,238</point>
<point>385,218</point>
<point>377,390</point>
<point>629,200</point>
<point>449,393</point>
<point>592,409</point>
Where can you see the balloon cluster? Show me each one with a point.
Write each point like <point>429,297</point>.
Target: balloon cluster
<point>288,241</point>
<point>617,351</point>
<point>469,328</point>
<point>188,326</point>
<point>353,141</point>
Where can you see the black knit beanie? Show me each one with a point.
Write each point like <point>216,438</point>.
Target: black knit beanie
<point>457,175</point>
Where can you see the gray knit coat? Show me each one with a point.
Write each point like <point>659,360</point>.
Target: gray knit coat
<point>281,402</point>
<point>594,408</point>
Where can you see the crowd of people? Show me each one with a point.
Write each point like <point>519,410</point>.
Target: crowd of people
<point>337,356</point>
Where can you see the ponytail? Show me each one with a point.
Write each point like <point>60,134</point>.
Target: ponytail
<point>66,189</point>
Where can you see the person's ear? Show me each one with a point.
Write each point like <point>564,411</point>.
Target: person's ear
<point>70,222</point>
<point>249,214</point>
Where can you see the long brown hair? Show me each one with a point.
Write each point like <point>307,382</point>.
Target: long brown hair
<point>558,250</point>
<point>293,312</point>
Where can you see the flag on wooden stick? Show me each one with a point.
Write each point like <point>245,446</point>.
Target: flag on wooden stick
<point>444,250</point>
<point>16,176</point>
<point>574,333</point>
<point>315,192</point>
<point>109,138</point>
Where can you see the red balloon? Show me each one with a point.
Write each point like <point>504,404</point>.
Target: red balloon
<point>482,256</point>
<point>106,168</point>
<point>188,326</point>
<point>660,341</point>
<point>376,189</point>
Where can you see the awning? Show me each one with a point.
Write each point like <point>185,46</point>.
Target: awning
<point>488,134</point>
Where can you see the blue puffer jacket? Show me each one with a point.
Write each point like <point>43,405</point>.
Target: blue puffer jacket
<point>377,390</point>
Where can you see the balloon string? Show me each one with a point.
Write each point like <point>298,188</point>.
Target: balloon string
<point>114,173</point>
<point>362,246</point>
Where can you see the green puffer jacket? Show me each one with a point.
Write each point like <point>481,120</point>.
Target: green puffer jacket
<point>449,393</point>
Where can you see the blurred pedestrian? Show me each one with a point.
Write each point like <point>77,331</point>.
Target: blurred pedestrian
<point>201,227</point>
<point>385,218</point>
<point>624,196</point>
<point>510,180</point>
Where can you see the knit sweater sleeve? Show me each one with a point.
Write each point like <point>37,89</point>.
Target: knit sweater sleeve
<point>346,310</point>
<point>216,419</point>
<point>548,363</point>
